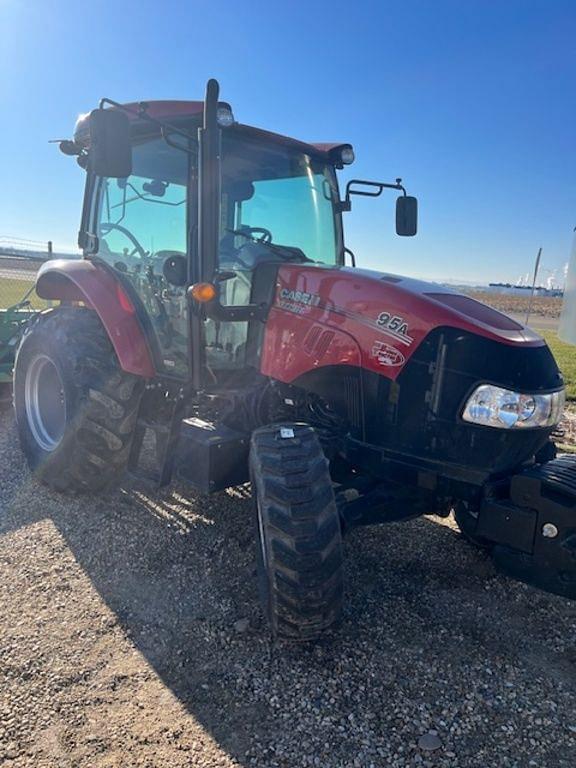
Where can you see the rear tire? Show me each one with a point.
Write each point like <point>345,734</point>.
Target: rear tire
<point>299,550</point>
<point>76,409</point>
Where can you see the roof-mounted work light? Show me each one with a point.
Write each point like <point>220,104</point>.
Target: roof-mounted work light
<point>340,154</point>
<point>347,154</point>
<point>224,116</point>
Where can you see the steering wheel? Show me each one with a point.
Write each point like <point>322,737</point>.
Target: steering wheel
<point>249,232</point>
<point>108,226</point>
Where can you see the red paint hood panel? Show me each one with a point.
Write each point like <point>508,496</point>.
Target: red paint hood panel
<point>387,316</point>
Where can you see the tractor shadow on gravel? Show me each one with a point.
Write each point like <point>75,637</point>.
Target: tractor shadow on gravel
<point>424,612</point>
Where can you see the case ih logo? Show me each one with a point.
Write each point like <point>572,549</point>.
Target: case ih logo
<point>300,297</point>
<point>297,301</point>
<point>387,355</point>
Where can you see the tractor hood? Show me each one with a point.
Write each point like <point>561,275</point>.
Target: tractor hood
<point>326,316</point>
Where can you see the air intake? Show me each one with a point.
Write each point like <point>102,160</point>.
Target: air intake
<point>317,342</point>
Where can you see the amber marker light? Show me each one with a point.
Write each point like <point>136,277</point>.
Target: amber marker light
<point>203,292</point>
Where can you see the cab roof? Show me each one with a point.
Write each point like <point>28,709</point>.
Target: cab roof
<point>179,110</point>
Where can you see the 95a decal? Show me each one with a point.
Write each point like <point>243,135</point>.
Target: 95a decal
<point>394,325</point>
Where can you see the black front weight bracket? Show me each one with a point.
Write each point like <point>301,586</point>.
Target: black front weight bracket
<point>534,531</point>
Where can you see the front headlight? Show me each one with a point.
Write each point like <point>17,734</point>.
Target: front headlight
<point>497,407</point>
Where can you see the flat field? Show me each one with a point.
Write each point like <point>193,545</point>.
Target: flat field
<point>13,290</point>
<point>518,305</point>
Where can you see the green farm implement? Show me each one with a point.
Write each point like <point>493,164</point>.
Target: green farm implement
<point>13,321</point>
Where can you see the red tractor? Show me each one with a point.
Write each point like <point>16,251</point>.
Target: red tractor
<point>214,309</point>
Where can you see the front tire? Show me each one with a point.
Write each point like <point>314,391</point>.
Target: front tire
<point>299,552</point>
<point>76,409</point>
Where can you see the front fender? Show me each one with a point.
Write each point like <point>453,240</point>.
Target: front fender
<point>83,280</point>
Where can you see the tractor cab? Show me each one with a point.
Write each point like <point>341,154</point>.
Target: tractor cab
<point>193,213</point>
<point>277,203</point>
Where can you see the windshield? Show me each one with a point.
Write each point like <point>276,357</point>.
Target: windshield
<point>279,196</point>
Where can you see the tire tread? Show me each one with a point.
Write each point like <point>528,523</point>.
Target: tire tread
<point>304,579</point>
<point>96,446</point>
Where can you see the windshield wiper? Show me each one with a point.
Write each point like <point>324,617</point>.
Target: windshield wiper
<point>287,252</point>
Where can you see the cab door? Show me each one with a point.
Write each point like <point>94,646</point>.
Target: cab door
<point>141,222</point>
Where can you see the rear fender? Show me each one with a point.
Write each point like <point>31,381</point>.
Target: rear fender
<point>96,287</point>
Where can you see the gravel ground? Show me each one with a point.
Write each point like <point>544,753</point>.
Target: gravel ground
<point>131,636</point>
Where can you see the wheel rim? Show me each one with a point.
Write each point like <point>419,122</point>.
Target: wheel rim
<point>45,402</point>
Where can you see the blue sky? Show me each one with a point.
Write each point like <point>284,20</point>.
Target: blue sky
<point>470,102</point>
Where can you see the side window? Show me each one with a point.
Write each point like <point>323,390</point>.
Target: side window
<point>141,222</point>
<point>134,221</point>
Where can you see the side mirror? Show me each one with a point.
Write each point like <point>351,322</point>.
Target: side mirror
<point>175,269</point>
<point>110,152</point>
<point>406,216</point>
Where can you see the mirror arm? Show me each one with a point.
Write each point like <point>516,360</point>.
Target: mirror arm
<point>166,129</point>
<point>142,114</point>
<point>377,186</point>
